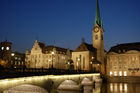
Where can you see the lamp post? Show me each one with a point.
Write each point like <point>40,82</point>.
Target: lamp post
<point>12,59</point>
<point>91,69</point>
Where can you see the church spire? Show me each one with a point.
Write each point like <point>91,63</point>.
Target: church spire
<point>97,17</point>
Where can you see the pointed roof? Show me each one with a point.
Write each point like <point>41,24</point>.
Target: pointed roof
<point>97,17</point>
<point>85,47</point>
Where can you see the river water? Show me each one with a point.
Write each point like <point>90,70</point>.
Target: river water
<point>97,88</point>
<point>107,88</point>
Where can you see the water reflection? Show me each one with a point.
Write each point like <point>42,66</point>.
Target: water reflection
<point>113,88</point>
<point>97,88</point>
<point>62,91</point>
<point>85,89</point>
<point>118,87</point>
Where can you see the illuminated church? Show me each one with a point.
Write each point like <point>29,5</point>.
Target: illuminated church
<point>92,56</point>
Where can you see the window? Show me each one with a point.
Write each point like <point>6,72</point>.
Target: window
<point>115,73</point>
<point>125,73</point>
<point>96,37</point>
<point>102,37</point>
<point>120,67</point>
<point>111,73</point>
<point>115,67</point>
<point>120,73</point>
<point>83,62</point>
<point>125,67</point>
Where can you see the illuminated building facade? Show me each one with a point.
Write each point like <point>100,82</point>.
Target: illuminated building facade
<point>17,60</point>
<point>124,60</point>
<point>82,56</point>
<point>5,53</point>
<point>42,56</point>
<point>5,50</point>
<point>9,59</point>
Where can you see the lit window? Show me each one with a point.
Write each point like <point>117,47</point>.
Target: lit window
<point>120,73</point>
<point>77,64</point>
<point>78,59</point>
<point>125,73</point>
<point>2,48</point>
<point>19,58</point>
<point>115,73</point>
<point>15,57</point>
<point>111,73</point>
<point>96,37</point>
<point>7,48</point>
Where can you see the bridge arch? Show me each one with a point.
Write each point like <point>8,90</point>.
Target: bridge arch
<point>26,88</point>
<point>87,81</point>
<point>69,85</point>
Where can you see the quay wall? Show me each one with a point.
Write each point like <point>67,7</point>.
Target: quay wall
<point>123,79</point>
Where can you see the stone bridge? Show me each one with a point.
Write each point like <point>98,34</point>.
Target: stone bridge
<point>47,81</point>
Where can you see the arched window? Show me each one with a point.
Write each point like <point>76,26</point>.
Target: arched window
<point>102,37</point>
<point>96,37</point>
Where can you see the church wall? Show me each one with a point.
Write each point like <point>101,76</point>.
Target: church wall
<point>84,60</point>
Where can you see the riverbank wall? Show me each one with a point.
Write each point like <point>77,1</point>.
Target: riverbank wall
<point>123,79</point>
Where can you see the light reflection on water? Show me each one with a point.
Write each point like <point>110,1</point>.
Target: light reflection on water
<point>123,88</point>
<point>99,88</point>
<point>109,88</point>
<point>85,89</point>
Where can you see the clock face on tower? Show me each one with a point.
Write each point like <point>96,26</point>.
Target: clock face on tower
<point>96,29</point>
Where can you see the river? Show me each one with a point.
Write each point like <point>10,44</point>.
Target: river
<point>107,88</point>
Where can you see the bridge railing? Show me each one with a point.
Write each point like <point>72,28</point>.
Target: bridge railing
<point>23,72</point>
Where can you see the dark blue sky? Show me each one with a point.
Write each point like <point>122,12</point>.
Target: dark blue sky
<point>67,21</point>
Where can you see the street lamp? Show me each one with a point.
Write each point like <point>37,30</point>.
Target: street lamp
<point>91,69</point>
<point>12,54</point>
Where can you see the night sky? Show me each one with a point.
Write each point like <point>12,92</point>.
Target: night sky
<point>67,22</point>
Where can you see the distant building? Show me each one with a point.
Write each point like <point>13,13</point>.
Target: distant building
<point>9,59</point>
<point>17,60</point>
<point>124,60</point>
<point>42,56</point>
<point>5,52</point>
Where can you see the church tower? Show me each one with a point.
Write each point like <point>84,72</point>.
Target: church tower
<point>98,37</point>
